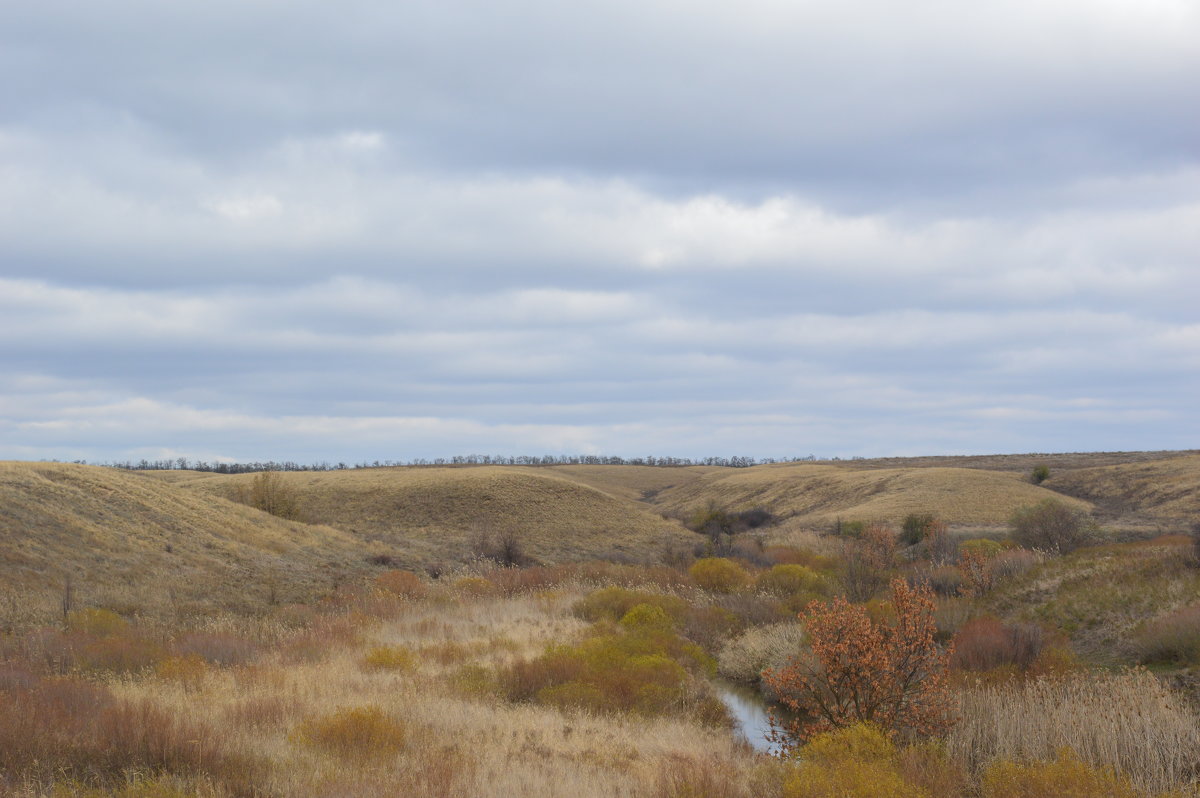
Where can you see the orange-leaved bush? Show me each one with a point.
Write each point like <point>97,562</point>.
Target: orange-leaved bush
<point>891,673</point>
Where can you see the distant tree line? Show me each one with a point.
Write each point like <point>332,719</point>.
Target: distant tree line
<point>183,463</point>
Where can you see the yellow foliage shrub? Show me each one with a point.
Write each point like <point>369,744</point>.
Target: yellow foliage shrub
<point>789,580</point>
<point>646,616</point>
<point>94,621</point>
<point>611,603</point>
<point>1066,777</point>
<point>857,761</point>
<point>389,658</point>
<point>719,575</point>
<point>359,732</point>
<point>189,670</point>
<point>475,586</point>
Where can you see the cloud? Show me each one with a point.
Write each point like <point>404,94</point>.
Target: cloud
<point>781,228</point>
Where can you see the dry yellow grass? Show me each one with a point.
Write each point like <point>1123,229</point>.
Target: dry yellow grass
<point>1161,490</point>
<point>814,495</point>
<point>421,515</point>
<point>454,744</point>
<point>129,541</point>
<point>635,483</point>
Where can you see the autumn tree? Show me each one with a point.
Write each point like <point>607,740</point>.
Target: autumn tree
<point>859,670</point>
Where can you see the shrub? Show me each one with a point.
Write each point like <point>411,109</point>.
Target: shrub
<point>269,492</point>
<point>892,674</point>
<point>1066,776</point>
<point>858,761</point>
<point>189,670</point>
<point>719,575</point>
<point>404,584</point>
<point>915,527</point>
<point>358,733</point>
<point>611,604</point>
<point>946,580</point>
<point>790,555</point>
<point>1171,638</point>
<point>867,562</point>
<point>643,668</point>
<point>219,648</point>
<point>1013,562</point>
<point>474,586</point>
<point>1051,526</point>
<point>1039,474</point>
<point>119,655</point>
<point>98,622</point>
<point>389,658</point>
<point>790,580</point>
<point>65,728</point>
<point>985,643</point>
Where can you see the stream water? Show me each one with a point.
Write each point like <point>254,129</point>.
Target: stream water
<point>750,714</point>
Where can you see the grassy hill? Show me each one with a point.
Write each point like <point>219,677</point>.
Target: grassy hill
<point>814,495</point>
<point>126,540</point>
<point>420,515</point>
<point>1161,491</point>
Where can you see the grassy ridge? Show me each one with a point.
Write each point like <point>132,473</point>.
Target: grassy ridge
<point>421,515</point>
<point>126,540</point>
<point>815,495</point>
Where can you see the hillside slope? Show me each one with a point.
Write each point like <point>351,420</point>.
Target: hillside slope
<point>420,515</point>
<point>813,495</point>
<point>126,540</point>
<point>1161,490</point>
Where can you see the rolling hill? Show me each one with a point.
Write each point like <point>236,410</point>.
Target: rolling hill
<point>814,496</point>
<point>126,540</point>
<point>420,515</point>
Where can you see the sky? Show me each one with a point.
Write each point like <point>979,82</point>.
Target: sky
<point>249,230</point>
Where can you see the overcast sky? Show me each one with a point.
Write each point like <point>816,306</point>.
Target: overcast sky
<point>252,229</point>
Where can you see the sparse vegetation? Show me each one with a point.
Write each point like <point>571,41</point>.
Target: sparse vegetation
<point>382,651</point>
<point>1051,525</point>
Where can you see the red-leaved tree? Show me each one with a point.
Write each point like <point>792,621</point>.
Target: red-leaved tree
<point>857,669</point>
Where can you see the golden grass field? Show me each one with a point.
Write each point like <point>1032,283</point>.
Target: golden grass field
<point>127,540</point>
<point>421,515</point>
<point>814,496</point>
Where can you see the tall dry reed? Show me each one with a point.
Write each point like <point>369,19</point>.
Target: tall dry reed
<point>1126,720</point>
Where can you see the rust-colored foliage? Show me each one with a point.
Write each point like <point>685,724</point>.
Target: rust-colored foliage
<point>859,670</point>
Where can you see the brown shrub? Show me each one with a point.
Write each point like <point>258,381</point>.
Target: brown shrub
<point>404,584</point>
<point>66,728</point>
<point>218,648</point>
<point>1170,638</point>
<point>985,643</point>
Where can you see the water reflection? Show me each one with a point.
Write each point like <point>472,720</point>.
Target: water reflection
<point>750,714</point>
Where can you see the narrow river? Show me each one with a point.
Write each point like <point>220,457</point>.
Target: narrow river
<point>750,714</point>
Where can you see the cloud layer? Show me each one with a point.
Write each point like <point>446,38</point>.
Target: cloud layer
<point>261,230</point>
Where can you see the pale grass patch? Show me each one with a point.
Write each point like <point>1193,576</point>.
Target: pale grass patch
<point>746,656</point>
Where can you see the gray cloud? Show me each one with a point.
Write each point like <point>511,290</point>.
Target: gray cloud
<point>258,229</point>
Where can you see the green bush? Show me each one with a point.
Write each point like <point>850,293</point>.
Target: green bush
<point>915,528</point>
<point>1039,474</point>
